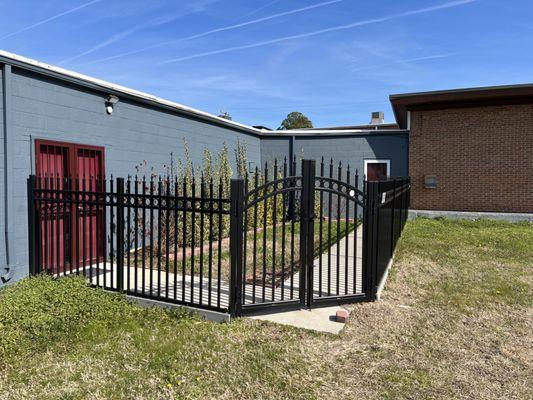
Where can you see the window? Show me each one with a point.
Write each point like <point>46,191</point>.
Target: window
<point>376,170</point>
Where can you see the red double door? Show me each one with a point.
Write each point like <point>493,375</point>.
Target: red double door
<point>71,235</point>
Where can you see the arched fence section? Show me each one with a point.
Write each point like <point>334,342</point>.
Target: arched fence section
<point>291,235</point>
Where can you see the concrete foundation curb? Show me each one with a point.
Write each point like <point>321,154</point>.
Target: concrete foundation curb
<point>383,280</point>
<point>510,217</point>
<point>206,314</point>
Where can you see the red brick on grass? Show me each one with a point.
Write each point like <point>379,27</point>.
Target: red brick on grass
<point>342,316</point>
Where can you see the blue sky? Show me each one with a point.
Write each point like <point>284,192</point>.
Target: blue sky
<point>334,60</point>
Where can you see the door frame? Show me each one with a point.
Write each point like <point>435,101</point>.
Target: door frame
<point>73,172</point>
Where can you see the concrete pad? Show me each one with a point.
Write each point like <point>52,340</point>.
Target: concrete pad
<point>317,319</point>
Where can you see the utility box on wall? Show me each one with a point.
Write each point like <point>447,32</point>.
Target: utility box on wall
<point>430,181</point>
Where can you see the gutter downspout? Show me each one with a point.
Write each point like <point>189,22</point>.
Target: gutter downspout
<point>291,206</point>
<point>408,142</point>
<point>6,271</point>
<point>292,147</point>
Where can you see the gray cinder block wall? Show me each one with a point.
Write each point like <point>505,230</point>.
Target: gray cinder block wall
<point>42,107</point>
<point>351,149</point>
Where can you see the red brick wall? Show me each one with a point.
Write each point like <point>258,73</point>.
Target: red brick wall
<point>482,158</point>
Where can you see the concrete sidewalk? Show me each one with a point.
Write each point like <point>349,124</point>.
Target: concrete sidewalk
<point>337,272</point>
<point>347,255</point>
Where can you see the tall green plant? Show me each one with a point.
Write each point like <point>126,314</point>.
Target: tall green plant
<point>223,169</point>
<point>241,159</point>
<point>216,171</point>
<point>180,179</point>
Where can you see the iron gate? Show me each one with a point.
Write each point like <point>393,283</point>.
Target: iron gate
<point>301,238</point>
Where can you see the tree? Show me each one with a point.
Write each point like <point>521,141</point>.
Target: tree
<point>295,120</point>
<point>225,115</point>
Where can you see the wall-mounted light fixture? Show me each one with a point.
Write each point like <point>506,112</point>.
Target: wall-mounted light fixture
<point>110,102</point>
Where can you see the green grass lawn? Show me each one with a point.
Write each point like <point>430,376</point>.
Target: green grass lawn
<point>455,321</point>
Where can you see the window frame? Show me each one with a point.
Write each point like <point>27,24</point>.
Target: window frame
<point>377,161</point>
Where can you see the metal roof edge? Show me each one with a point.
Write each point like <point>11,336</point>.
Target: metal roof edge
<point>325,133</point>
<point>395,96</point>
<point>401,102</point>
<point>146,98</point>
<point>355,127</point>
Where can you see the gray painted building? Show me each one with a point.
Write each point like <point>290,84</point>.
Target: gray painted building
<point>41,104</point>
<point>38,101</point>
<point>348,147</point>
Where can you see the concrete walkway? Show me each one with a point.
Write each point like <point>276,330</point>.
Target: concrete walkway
<point>342,261</point>
<point>318,319</point>
<point>350,263</point>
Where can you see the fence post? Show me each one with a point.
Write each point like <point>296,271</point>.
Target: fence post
<point>120,234</point>
<point>408,200</point>
<point>236,246</point>
<point>304,216</point>
<point>404,204</point>
<point>370,248</point>
<point>392,225</point>
<point>367,238</point>
<point>291,206</point>
<point>307,230</point>
<point>378,195</point>
<point>32,228</point>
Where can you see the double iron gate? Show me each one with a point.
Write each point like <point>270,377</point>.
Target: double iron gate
<point>285,237</point>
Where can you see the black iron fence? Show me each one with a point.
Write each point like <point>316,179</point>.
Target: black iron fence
<point>386,214</point>
<point>286,236</point>
<point>156,238</point>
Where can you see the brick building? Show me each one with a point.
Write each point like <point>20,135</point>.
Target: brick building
<point>470,149</point>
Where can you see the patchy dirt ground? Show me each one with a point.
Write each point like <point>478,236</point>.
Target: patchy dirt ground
<point>455,321</point>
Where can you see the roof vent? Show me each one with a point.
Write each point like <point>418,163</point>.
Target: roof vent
<point>378,117</point>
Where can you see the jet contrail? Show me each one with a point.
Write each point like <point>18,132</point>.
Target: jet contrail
<point>44,21</point>
<point>408,60</point>
<point>322,31</point>
<point>121,35</point>
<point>212,31</point>
<point>259,9</point>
